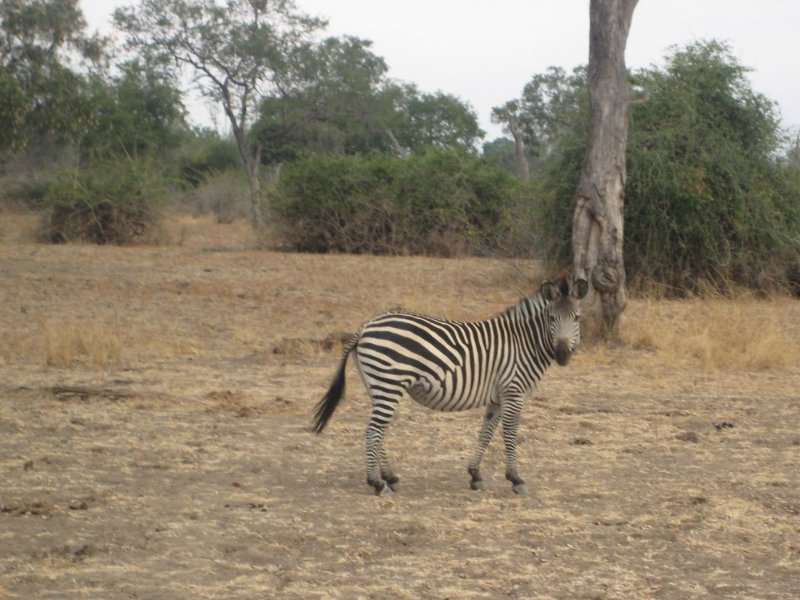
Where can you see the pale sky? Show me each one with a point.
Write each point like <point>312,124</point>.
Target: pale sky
<point>485,51</point>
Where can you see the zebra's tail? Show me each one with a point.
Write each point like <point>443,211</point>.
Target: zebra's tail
<point>326,407</point>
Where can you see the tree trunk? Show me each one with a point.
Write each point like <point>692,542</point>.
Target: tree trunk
<point>255,196</point>
<point>396,147</point>
<point>597,226</point>
<point>523,171</point>
<point>252,160</point>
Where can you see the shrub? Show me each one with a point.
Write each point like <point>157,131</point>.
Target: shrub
<point>110,202</point>
<point>442,202</point>
<point>703,183</point>
<point>206,155</point>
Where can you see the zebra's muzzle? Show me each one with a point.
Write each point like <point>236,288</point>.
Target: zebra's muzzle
<point>563,353</point>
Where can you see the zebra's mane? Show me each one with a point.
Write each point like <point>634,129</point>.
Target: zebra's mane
<point>525,308</point>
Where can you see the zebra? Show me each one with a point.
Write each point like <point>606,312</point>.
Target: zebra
<point>453,366</point>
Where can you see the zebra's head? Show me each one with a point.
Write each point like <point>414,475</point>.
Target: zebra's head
<point>564,315</point>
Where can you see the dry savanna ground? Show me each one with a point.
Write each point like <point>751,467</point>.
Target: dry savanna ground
<point>154,441</point>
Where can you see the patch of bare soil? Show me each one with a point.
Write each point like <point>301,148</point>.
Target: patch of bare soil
<point>154,441</point>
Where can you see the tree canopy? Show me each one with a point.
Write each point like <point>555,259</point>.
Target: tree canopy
<point>707,197</point>
<point>42,42</point>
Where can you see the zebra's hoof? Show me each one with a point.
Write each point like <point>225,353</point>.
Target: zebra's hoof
<point>520,488</point>
<point>477,485</point>
<point>385,491</point>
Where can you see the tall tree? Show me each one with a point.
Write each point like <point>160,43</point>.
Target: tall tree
<point>135,112</point>
<point>237,52</point>
<point>553,104</point>
<point>43,47</point>
<point>508,116</point>
<point>597,225</point>
<point>426,120</point>
<point>336,105</point>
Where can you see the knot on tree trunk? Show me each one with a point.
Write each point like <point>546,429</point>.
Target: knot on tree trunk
<point>605,279</point>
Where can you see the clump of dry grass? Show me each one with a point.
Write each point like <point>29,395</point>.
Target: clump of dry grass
<point>716,333</point>
<point>205,232</point>
<point>99,343</point>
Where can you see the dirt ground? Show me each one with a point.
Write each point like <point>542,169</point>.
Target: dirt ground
<point>154,441</point>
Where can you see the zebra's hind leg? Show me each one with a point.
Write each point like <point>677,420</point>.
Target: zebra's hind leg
<point>378,474</point>
<point>388,475</point>
<point>490,421</point>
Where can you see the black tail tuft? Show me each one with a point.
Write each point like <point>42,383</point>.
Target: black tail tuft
<point>327,406</point>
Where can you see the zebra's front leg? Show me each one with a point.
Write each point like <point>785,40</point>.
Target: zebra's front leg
<point>511,413</point>
<point>490,420</point>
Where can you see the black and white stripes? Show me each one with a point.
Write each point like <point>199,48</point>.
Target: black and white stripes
<point>452,366</point>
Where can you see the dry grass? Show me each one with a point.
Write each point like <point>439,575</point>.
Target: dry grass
<point>716,333</point>
<point>18,226</point>
<point>164,451</point>
<point>711,333</point>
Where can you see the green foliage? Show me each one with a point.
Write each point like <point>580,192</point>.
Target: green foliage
<point>435,121</point>
<point>41,93</point>
<point>501,153</point>
<point>335,104</point>
<point>13,110</point>
<point>29,190</point>
<point>238,52</point>
<point>110,202</point>
<point>442,202</point>
<point>137,112</point>
<point>703,181</point>
<point>706,198</point>
<point>553,107</point>
<point>340,102</point>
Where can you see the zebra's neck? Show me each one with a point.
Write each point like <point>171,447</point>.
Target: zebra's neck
<point>531,318</point>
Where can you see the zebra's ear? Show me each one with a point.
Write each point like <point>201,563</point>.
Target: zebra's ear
<point>580,288</point>
<point>549,291</point>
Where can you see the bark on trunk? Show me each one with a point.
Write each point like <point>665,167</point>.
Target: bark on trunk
<point>519,147</point>
<point>252,160</point>
<point>255,197</point>
<point>597,226</point>
<point>396,147</point>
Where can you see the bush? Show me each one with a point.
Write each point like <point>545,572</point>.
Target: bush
<point>110,202</point>
<point>442,203</point>
<point>705,197</point>
<point>206,155</point>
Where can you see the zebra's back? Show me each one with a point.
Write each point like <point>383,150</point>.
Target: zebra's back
<point>444,365</point>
